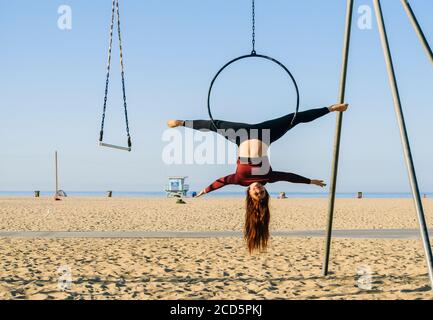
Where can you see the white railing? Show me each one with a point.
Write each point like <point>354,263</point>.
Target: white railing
<point>169,189</point>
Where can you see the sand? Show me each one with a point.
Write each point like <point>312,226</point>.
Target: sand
<point>210,268</point>
<point>202,214</point>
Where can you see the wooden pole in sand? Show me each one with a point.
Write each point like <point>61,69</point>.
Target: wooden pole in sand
<point>57,176</point>
<point>333,181</point>
<point>405,140</point>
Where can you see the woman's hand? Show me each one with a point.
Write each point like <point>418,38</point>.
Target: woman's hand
<point>175,123</point>
<point>319,183</point>
<point>338,107</point>
<point>200,194</point>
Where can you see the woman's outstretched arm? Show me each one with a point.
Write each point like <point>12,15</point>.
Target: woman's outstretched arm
<point>219,183</point>
<point>276,176</point>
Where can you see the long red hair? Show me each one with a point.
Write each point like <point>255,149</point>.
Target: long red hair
<point>257,217</point>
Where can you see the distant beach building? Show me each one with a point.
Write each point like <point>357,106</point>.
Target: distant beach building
<point>176,187</point>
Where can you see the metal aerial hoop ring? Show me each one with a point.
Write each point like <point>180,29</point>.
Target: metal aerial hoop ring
<point>253,54</point>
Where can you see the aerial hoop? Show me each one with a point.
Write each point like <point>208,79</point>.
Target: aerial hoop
<point>253,54</point>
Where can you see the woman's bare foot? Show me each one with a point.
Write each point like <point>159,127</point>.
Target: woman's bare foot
<point>339,107</point>
<point>319,183</point>
<point>174,123</point>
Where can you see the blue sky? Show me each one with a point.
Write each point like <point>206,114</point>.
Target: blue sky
<point>52,85</point>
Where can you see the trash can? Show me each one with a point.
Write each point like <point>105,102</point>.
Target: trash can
<point>109,194</point>
<point>37,193</point>
<point>282,195</point>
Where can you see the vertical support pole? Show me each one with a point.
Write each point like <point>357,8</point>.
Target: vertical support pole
<point>417,28</point>
<point>405,140</point>
<point>342,90</point>
<point>57,177</point>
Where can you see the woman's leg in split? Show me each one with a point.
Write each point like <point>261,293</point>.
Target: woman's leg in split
<point>232,131</point>
<point>238,132</point>
<point>279,126</point>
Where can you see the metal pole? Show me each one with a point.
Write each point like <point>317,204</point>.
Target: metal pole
<point>57,179</point>
<point>417,28</point>
<point>405,140</point>
<point>342,90</point>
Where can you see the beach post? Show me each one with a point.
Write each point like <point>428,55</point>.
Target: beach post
<point>56,173</point>
<point>333,181</point>
<point>405,140</point>
<point>109,194</point>
<point>417,28</point>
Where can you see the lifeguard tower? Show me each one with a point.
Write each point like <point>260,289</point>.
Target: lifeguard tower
<point>176,187</point>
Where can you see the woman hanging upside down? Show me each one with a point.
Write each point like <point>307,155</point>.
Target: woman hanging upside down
<point>253,168</point>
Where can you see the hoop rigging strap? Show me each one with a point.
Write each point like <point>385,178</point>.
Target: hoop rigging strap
<point>115,13</point>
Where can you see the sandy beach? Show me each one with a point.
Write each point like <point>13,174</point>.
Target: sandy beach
<point>216,214</point>
<point>209,268</point>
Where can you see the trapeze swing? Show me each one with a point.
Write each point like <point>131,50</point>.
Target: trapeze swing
<point>115,13</point>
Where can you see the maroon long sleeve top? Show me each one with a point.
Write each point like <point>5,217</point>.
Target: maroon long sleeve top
<point>249,171</point>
